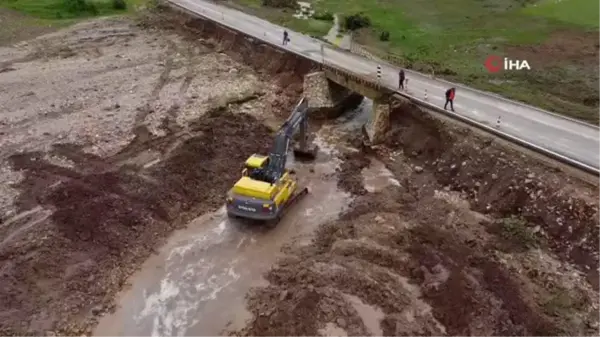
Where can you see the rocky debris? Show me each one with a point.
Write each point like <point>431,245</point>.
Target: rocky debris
<point>461,247</point>
<point>348,180</point>
<point>106,210</point>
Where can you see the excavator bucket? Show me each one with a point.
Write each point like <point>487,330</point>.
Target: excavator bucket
<point>308,153</point>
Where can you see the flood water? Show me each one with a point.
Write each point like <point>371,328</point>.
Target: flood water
<point>196,284</point>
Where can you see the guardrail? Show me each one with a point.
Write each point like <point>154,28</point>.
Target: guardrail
<point>375,84</point>
<point>393,60</point>
<point>363,80</point>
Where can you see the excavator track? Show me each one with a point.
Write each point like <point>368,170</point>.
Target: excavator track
<point>291,201</point>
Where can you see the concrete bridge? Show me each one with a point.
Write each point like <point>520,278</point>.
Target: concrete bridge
<point>328,88</point>
<point>567,140</point>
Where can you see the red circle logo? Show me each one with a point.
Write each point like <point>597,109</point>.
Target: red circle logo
<point>493,63</point>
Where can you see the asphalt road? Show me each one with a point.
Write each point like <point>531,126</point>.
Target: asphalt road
<point>572,139</point>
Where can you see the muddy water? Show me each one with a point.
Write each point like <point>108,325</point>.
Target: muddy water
<point>376,177</point>
<point>197,282</point>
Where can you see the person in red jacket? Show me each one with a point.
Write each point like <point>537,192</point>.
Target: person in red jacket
<point>450,98</point>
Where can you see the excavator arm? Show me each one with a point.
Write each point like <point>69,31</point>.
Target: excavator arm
<point>298,120</point>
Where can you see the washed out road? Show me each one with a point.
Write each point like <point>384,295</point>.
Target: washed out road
<point>572,139</point>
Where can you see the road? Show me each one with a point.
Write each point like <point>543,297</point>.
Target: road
<point>572,139</point>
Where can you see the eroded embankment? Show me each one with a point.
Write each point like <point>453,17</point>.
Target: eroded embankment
<point>476,239</point>
<point>101,165</point>
<point>501,181</point>
<point>287,69</point>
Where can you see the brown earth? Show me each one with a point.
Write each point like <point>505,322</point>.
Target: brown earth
<point>115,133</point>
<point>466,245</point>
<point>106,219</point>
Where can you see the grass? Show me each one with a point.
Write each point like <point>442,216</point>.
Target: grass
<point>25,19</point>
<point>517,232</point>
<point>576,12</point>
<point>59,9</point>
<point>453,37</point>
<point>284,18</point>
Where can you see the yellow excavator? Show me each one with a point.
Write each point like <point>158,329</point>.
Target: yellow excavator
<point>267,188</point>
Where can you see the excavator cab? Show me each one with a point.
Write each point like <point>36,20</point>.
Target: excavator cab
<point>253,163</point>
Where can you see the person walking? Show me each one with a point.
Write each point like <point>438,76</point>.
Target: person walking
<point>450,98</point>
<point>401,78</point>
<point>286,38</point>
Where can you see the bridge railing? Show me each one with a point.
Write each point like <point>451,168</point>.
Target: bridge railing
<point>377,84</point>
<point>374,83</point>
<point>370,81</point>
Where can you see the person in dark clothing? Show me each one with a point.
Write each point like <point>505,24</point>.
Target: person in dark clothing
<point>401,78</point>
<point>450,98</point>
<point>286,38</point>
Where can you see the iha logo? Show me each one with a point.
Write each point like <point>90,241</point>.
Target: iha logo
<point>496,63</point>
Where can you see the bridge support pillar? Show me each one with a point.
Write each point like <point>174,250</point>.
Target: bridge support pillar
<point>327,99</point>
<point>379,123</point>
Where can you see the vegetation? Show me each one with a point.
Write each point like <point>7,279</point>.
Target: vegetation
<point>66,9</point>
<point>384,36</point>
<point>559,39</point>
<point>280,3</point>
<point>317,26</point>
<point>324,16</point>
<point>516,231</point>
<point>119,4</point>
<point>355,22</point>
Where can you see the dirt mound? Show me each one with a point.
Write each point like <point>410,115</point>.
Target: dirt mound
<point>410,262</point>
<point>456,249</point>
<point>107,220</point>
<point>500,181</point>
<point>348,179</point>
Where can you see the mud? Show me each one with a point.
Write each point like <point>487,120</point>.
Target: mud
<point>107,220</point>
<point>451,249</point>
<point>114,134</point>
<point>464,236</point>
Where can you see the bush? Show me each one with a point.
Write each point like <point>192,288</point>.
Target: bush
<point>323,16</point>
<point>280,3</point>
<point>356,22</point>
<point>384,36</point>
<point>80,7</point>
<point>119,4</point>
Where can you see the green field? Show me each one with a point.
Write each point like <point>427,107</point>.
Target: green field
<point>25,19</point>
<point>281,17</point>
<point>66,9</point>
<point>453,38</point>
<point>576,12</point>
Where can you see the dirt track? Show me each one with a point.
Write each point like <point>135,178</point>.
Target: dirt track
<point>115,135</point>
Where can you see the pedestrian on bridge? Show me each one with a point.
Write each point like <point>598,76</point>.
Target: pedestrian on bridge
<point>401,78</point>
<point>450,98</point>
<point>286,38</point>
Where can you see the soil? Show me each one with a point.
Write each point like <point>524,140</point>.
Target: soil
<point>466,245</point>
<point>114,133</point>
